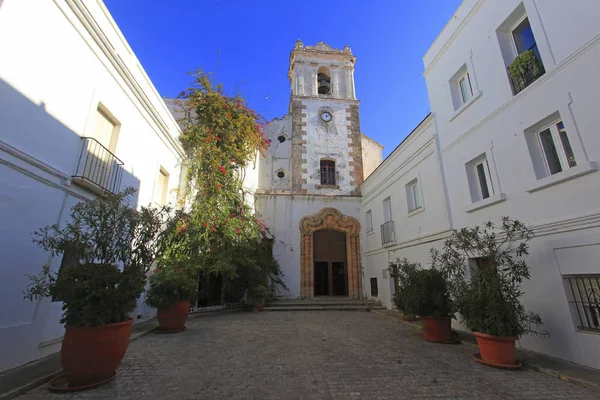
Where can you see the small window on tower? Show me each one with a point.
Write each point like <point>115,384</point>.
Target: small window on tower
<point>323,82</point>
<point>327,172</point>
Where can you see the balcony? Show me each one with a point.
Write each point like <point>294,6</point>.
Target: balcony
<point>98,169</point>
<point>387,233</point>
<point>526,69</point>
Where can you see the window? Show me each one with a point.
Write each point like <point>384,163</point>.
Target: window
<point>162,184</point>
<point>387,210</point>
<point>369,220</point>
<point>476,264</point>
<point>328,172</point>
<point>387,229</point>
<point>413,195</point>
<point>466,91</point>
<point>584,295</point>
<point>98,168</point>
<point>480,180</point>
<point>523,37</point>
<point>556,148</point>
<point>461,87</point>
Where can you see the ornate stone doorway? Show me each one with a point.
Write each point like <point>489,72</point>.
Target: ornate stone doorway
<point>335,271</point>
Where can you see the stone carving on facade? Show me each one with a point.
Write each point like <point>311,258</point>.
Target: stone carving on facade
<point>330,219</point>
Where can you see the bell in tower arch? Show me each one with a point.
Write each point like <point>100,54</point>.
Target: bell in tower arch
<point>324,83</point>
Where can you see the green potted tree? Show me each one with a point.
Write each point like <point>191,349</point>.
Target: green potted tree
<point>172,287</point>
<point>107,249</point>
<point>406,293</point>
<point>489,300</point>
<point>424,292</point>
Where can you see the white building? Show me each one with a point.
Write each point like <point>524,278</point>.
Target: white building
<point>78,116</point>
<point>525,148</point>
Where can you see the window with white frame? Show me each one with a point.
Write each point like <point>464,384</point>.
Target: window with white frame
<point>162,184</point>
<point>466,90</point>
<point>480,179</point>
<point>550,147</point>
<point>413,195</point>
<point>369,220</point>
<point>518,45</point>
<point>461,87</point>
<point>556,148</point>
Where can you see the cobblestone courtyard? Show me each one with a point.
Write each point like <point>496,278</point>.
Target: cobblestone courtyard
<point>311,355</point>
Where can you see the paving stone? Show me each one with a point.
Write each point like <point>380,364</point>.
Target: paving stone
<point>311,355</point>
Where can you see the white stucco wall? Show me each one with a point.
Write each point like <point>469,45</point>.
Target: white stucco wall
<point>562,208</point>
<point>282,215</point>
<point>415,232</point>
<point>278,158</point>
<point>51,86</point>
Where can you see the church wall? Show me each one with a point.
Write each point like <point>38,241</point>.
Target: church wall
<point>282,215</point>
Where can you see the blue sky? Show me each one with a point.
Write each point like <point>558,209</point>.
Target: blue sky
<point>248,44</point>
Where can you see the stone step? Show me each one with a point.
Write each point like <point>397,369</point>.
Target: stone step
<point>323,304</point>
<point>325,308</point>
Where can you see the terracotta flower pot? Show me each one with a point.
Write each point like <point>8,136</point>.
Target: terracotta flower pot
<point>437,330</point>
<point>91,355</point>
<point>495,349</point>
<point>174,317</point>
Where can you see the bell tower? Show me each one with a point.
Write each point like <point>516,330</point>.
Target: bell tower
<point>326,139</point>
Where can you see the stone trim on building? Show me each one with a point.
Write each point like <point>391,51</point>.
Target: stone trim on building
<point>355,148</point>
<point>330,219</point>
<point>299,171</point>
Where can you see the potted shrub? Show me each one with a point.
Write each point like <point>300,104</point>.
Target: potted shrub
<point>406,293</point>
<point>172,287</point>
<point>489,300</point>
<point>435,307</point>
<point>257,296</point>
<point>423,292</point>
<point>107,249</point>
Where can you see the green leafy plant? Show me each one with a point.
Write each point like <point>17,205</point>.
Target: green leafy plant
<point>490,302</point>
<point>526,68</point>
<point>419,291</point>
<point>403,272</point>
<point>171,283</point>
<point>107,249</point>
<point>219,233</point>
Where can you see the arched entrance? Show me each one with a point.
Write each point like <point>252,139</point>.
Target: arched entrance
<point>330,255</point>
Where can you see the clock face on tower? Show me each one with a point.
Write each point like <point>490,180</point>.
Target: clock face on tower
<point>326,116</point>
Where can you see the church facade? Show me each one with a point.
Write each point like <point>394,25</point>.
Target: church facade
<point>307,188</point>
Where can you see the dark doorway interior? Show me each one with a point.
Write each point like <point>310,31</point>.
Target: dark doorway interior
<point>338,275</point>
<point>321,279</point>
<point>330,274</point>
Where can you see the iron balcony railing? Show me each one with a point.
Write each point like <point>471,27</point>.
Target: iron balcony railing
<point>531,75</point>
<point>98,168</point>
<point>585,295</point>
<point>387,232</point>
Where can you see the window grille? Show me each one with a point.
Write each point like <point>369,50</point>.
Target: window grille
<point>585,298</point>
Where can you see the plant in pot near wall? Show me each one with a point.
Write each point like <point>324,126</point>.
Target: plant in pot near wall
<point>172,287</point>
<point>174,281</point>
<point>489,300</point>
<point>107,249</point>
<point>424,292</point>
